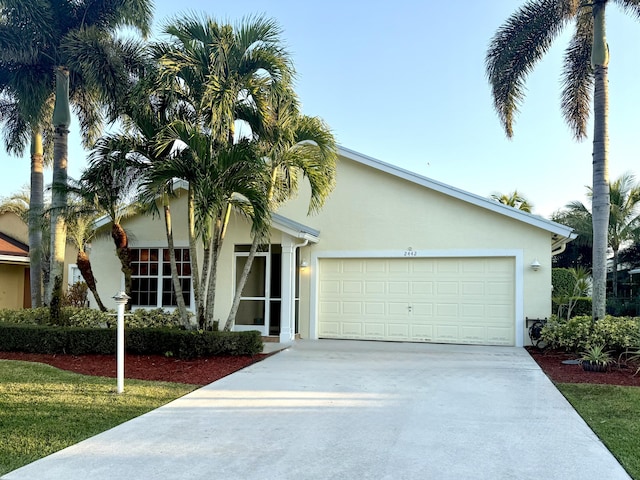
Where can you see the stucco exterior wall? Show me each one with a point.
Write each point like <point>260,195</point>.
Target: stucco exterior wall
<point>12,286</point>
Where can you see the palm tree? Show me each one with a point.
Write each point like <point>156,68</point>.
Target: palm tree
<point>513,199</point>
<point>80,222</point>
<point>72,52</point>
<point>515,49</point>
<point>624,217</point>
<point>25,112</point>
<point>220,180</point>
<point>291,145</point>
<point>146,113</point>
<point>221,73</point>
<point>107,187</point>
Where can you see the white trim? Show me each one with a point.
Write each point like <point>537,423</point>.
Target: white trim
<point>14,260</point>
<point>517,255</point>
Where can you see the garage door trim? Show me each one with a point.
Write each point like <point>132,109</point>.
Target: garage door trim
<point>517,255</point>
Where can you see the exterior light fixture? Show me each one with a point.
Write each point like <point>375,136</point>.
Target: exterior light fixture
<point>304,264</point>
<point>535,265</point>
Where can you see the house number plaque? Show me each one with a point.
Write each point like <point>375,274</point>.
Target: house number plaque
<point>410,253</point>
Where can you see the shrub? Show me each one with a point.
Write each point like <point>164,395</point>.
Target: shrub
<point>33,316</point>
<point>148,341</point>
<point>88,317</point>
<point>581,333</point>
<point>155,318</point>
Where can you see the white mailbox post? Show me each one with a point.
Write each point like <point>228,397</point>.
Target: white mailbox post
<point>121,299</point>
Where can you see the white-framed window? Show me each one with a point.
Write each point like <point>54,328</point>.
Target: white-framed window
<point>151,277</point>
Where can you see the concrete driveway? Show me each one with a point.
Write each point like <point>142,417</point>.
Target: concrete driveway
<point>354,410</point>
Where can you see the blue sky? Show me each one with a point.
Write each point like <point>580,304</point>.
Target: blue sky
<point>404,82</point>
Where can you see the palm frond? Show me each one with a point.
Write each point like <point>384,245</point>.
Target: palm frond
<point>516,48</point>
<point>577,76</point>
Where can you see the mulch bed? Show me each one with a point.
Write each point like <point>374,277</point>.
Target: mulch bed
<point>201,371</point>
<point>550,362</point>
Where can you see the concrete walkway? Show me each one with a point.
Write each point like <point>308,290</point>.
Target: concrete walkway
<point>353,410</point>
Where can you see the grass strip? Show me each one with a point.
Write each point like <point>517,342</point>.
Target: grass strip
<point>44,409</point>
<point>613,413</point>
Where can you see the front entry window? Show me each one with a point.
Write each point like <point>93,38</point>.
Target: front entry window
<point>260,302</point>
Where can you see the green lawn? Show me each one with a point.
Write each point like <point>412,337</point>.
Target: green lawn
<point>43,409</point>
<point>613,413</point>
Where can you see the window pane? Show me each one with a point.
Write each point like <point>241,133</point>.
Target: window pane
<point>255,281</point>
<point>250,312</point>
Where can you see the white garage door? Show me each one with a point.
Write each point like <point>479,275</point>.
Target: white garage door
<point>441,300</point>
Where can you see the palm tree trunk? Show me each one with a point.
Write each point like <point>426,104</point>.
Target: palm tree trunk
<point>84,265</point>
<point>177,287</point>
<point>600,199</point>
<point>193,251</point>
<point>231,319</point>
<point>121,242</point>
<point>36,210</point>
<point>61,120</point>
<point>204,282</point>
<point>220,229</point>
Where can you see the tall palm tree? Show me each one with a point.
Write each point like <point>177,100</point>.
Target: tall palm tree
<point>513,199</point>
<point>292,145</point>
<point>148,110</point>
<point>624,217</point>
<point>74,53</point>
<point>220,180</point>
<point>25,111</point>
<point>219,72</point>
<point>515,49</point>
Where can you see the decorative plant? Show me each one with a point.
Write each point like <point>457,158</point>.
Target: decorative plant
<point>596,355</point>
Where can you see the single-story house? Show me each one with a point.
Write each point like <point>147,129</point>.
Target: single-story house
<point>392,256</point>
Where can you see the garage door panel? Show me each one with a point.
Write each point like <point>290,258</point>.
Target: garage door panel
<point>398,331</point>
<point>395,308</point>
<point>374,308</point>
<point>375,330</point>
<point>421,288</point>
<point>473,288</point>
<point>452,300</point>
<point>352,287</point>
<point>352,308</point>
<point>328,308</point>
<point>399,288</point>
<point>374,288</point>
<point>422,333</point>
<point>329,287</point>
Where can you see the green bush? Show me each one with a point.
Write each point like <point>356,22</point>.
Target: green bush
<point>33,316</point>
<point>581,333</point>
<point>155,318</point>
<point>582,306</point>
<point>147,341</point>
<point>563,281</point>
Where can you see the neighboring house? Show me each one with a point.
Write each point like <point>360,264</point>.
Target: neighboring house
<point>14,262</point>
<point>391,256</point>
<point>15,290</point>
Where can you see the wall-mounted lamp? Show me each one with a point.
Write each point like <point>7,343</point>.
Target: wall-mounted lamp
<point>535,265</point>
<point>304,264</point>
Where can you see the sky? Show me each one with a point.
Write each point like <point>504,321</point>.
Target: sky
<point>404,82</point>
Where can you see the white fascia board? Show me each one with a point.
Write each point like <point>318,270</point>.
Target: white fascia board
<point>472,198</point>
<point>14,260</point>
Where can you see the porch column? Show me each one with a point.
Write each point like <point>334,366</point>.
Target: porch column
<point>287,317</point>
